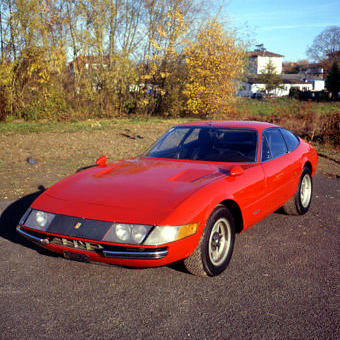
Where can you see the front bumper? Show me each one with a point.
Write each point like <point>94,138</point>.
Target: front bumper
<point>34,239</point>
<point>146,255</point>
<point>50,242</point>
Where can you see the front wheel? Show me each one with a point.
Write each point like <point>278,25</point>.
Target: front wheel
<point>215,248</point>
<point>299,204</point>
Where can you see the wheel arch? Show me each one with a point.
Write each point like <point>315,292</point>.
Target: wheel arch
<point>236,212</point>
<point>309,166</point>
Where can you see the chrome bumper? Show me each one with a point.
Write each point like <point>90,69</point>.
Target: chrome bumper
<point>40,241</point>
<point>131,255</point>
<point>136,255</point>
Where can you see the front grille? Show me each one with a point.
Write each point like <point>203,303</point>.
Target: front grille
<point>90,246</point>
<point>76,244</point>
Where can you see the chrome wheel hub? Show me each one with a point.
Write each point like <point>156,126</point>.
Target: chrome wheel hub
<point>216,240</point>
<point>306,191</point>
<point>219,241</point>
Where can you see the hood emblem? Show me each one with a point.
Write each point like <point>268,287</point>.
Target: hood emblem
<point>77,226</point>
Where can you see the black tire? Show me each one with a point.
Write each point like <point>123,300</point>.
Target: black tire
<point>214,251</point>
<point>299,204</point>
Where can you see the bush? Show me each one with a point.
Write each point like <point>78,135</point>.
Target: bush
<point>314,121</point>
<point>294,93</point>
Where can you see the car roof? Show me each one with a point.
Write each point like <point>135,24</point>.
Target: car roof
<point>231,123</point>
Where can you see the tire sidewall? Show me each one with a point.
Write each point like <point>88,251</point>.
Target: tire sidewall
<point>300,208</point>
<point>209,267</point>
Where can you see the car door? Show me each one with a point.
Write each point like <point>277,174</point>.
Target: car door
<point>279,169</point>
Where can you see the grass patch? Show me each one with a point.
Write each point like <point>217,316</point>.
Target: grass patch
<point>325,150</point>
<point>27,127</point>
<point>283,106</point>
<point>59,152</point>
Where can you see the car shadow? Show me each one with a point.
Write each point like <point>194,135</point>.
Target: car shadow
<point>178,267</point>
<point>280,211</point>
<point>10,218</point>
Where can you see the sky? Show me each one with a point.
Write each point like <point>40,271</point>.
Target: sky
<point>286,27</point>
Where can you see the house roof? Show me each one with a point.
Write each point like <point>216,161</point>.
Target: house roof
<point>296,81</point>
<point>299,77</point>
<point>264,54</point>
<point>285,80</point>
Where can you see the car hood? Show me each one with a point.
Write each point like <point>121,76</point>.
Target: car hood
<point>142,190</point>
<point>133,189</point>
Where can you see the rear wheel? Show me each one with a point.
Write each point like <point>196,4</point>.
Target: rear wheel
<point>299,204</point>
<point>215,248</point>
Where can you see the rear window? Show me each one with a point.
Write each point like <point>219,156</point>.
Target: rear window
<point>291,140</point>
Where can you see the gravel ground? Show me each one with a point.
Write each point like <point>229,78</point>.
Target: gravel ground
<point>282,283</point>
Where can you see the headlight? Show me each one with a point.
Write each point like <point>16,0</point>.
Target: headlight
<point>166,234</point>
<point>42,218</point>
<point>138,233</point>
<point>38,219</point>
<point>147,234</point>
<point>123,232</point>
<point>127,233</point>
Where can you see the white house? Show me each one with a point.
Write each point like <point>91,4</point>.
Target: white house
<point>318,84</point>
<point>257,63</point>
<point>253,86</point>
<point>259,59</point>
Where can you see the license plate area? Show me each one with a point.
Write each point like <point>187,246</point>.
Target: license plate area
<point>76,256</point>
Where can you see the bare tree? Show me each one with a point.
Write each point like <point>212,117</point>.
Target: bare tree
<point>326,44</point>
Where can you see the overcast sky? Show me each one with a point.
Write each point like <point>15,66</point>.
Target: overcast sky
<point>286,27</point>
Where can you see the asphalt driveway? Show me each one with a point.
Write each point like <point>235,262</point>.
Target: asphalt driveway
<point>281,284</point>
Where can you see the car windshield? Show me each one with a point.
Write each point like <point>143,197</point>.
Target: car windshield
<point>216,144</point>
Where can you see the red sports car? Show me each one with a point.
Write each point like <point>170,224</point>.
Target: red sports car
<point>182,200</point>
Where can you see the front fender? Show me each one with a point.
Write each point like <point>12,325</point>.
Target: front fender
<point>199,206</point>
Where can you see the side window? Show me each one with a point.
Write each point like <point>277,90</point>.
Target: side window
<point>291,140</point>
<point>193,137</point>
<point>265,152</point>
<point>276,142</point>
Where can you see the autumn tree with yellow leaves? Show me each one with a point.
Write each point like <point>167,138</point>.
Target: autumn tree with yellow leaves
<point>214,64</point>
<point>78,59</point>
<point>162,65</point>
<point>33,59</point>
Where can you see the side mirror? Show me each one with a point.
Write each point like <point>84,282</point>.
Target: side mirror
<point>101,161</point>
<point>236,171</point>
